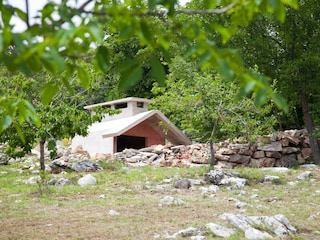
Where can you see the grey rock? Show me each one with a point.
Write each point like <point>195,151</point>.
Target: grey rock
<point>304,175</point>
<point>271,179</point>
<point>255,234</point>
<point>279,224</point>
<point>32,180</point>
<point>221,177</point>
<point>210,189</point>
<point>237,220</point>
<point>313,166</point>
<point>214,176</point>
<point>197,182</point>
<point>168,200</point>
<point>276,169</point>
<point>3,159</point>
<point>113,213</point>
<point>197,237</point>
<point>191,231</point>
<point>244,223</point>
<point>220,231</point>
<point>58,165</point>
<point>59,182</point>
<point>239,182</point>
<point>87,180</point>
<point>270,147</point>
<point>182,184</point>
<point>86,166</point>
<point>289,160</point>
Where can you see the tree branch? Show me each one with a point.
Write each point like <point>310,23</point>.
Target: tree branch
<point>27,13</point>
<point>162,14</point>
<point>81,8</point>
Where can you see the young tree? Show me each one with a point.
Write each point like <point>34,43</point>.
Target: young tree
<point>55,42</point>
<point>62,118</point>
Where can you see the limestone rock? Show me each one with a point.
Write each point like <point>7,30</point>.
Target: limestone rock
<point>86,166</point>
<point>220,231</point>
<point>168,200</point>
<point>304,175</point>
<point>3,159</point>
<point>271,147</point>
<point>87,180</point>
<point>182,184</point>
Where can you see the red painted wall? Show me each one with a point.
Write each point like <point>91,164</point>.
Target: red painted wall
<point>144,130</point>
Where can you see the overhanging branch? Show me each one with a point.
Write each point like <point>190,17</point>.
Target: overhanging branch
<point>162,14</point>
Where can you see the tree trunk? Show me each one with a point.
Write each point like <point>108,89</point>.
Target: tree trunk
<point>42,142</point>
<point>310,127</point>
<point>212,162</point>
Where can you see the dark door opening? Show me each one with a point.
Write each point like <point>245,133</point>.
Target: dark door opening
<point>124,141</point>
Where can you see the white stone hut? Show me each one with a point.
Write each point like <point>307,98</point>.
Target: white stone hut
<point>135,127</point>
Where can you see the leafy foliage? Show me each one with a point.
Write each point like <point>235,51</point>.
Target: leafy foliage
<point>62,118</point>
<point>193,100</point>
<point>56,43</point>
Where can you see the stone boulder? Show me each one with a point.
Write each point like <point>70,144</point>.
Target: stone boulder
<point>86,166</point>
<point>87,180</point>
<point>3,159</point>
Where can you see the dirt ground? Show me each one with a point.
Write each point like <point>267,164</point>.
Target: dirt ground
<point>84,213</point>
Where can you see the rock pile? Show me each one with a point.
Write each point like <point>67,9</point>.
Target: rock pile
<point>285,149</point>
<point>166,156</point>
<point>278,225</point>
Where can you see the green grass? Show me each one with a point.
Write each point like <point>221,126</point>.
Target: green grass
<point>133,193</point>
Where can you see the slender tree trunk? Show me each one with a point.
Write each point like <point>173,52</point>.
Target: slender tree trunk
<point>42,142</point>
<point>212,162</point>
<point>310,127</point>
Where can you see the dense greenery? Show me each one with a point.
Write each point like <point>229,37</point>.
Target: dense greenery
<point>209,53</point>
<point>289,53</point>
<point>193,100</point>
<point>62,118</point>
<point>56,44</point>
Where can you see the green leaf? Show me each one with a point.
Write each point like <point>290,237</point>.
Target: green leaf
<point>158,70</point>
<point>32,114</point>
<point>145,31</point>
<point>192,50</point>
<point>131,77</point>
<point>248,85</point>
<point>20,132</point>
<point>273,4</point>
<point>127,32</point>
<point>153,3</point>
<point>5,122</point>
<point>96,33</point>
<point>48,91</point>
<point>225,33</point>
<point>260,97</point>
<point>84,77</point>
<point>102,58</point>
<point>280,13</point>
<point>67,85</point>
<point>225,69</point>
<point>1,42</point>
<point>291,3</point>
<point>21,14</point>
<point>280,102</point>
<point>204,58</point>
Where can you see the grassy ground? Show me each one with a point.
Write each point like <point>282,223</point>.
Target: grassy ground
<point>73,212</point>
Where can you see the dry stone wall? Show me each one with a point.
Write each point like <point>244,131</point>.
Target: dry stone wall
<point>285,149</point>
